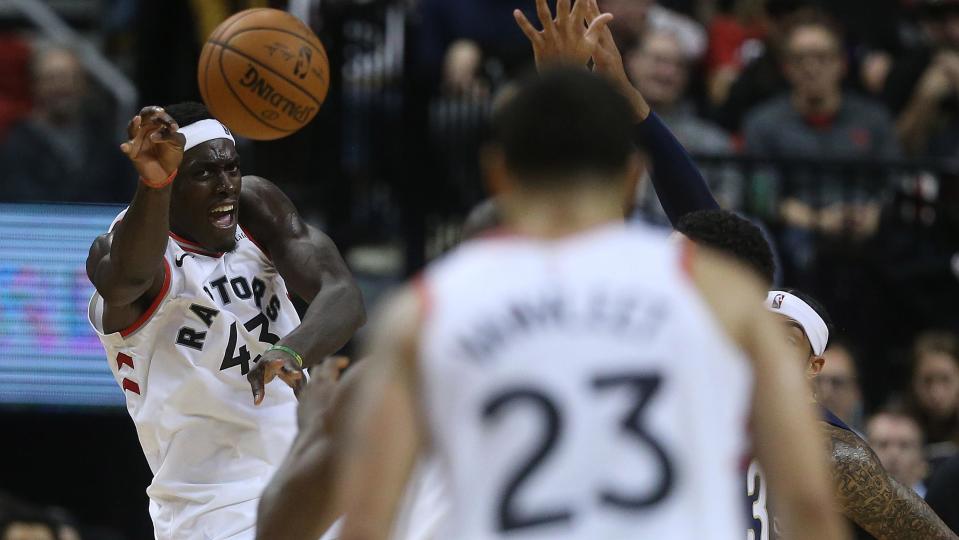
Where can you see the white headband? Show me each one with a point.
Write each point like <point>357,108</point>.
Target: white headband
<point>203,131</point>
<point>811,323</point>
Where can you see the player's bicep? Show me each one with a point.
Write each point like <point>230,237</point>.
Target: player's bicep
<point>117,290</point>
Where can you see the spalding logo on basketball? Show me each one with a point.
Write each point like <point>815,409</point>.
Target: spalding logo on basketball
<point>263,73</point>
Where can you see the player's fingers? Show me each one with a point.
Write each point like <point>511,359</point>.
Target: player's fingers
<point>596,27</point>
<point>545,17</point>
<point>298,386</point>
<point>562,13</point>
<point>577,18</point>
<point>255,377</point>
<point>527,27</point>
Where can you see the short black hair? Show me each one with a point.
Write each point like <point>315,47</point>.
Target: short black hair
<point>564,123</point>
<point>816,306</point>
<point>188,112</point>
<point>733,235</point>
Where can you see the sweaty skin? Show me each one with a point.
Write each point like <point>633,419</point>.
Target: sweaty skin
<point>875,501</point>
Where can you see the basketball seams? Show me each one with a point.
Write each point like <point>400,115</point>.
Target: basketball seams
<point>229,87</point>
<point>317,45</point>
<point>261,64</point>
<point>217,32</point>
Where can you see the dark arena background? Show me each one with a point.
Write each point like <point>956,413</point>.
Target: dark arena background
<point>861,199</point>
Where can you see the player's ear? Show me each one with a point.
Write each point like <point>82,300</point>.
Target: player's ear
<point>815,366</point>
<point>495,173</point>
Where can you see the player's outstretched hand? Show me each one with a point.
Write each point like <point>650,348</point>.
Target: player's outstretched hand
<point>608,61</point>
<point>566,39</point>
<point>275,363</point>
<point>317,398</point>
<point>155,147</point>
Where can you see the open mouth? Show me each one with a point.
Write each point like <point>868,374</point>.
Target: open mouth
<point>223,216</point>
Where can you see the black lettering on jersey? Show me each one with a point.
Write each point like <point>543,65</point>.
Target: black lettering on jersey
<point>179,260</point>
<point>273,310</point>
<point>220,285</point>
<point>206,314</point>
<point>189,337</point>
<point>208,293</point>
<point>258,289</point>
<point>241,358</point>
<point>240,287</point>
<point>265,335</point>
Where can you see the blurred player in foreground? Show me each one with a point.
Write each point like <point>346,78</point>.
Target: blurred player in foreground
<point>193,308</point>
<point>598,383</point>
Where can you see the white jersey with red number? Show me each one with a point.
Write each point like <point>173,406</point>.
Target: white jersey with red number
<point>182,368</point>
<point>581,389</point>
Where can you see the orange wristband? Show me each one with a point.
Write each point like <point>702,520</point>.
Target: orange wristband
<point>163,184</point>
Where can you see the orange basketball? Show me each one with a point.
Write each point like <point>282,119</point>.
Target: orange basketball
<point>263,73</point>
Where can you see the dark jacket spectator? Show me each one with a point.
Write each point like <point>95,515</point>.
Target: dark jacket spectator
<point>943,493</point>
<point>60,152</point>
<point>935,391</point>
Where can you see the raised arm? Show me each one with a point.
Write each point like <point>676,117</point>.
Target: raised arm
<point>874,500</point>
<point>126,265</point>
<point>679,184</point>
<point>313,269</point>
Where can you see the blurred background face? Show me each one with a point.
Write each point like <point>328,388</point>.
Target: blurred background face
<point>813,61</point>
<point>27,531</point>
<point>897,441</point>
<point>658,67</point>
<point>59,83</point>
<point>936,384</point>
<point>837,386</point>
<point>630,15</point>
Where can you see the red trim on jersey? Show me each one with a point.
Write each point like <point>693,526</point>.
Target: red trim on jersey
<point>686,257</point>
<point>124,359</point>
<point>153,306</point>
<point>255,243</point>
<point>131,386</point>
<point>193,247</point>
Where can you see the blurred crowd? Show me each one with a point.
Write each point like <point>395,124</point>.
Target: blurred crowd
<point>21,521</point>
<point>756,89</point>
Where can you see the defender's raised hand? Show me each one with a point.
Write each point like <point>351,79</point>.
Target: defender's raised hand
<point>155,147</point>
<point>608,61</point>
<point>567,39</point>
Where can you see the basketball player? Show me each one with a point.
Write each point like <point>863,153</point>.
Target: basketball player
<point>683,192</point>
<point>580,378</point>
<point>193,307</point>
<point>868,495</point>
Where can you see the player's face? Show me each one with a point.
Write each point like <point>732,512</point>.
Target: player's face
<point>798,348</point>
<point>206,194</point>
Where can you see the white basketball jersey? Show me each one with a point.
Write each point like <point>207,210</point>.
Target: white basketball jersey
<point>580,389</point>
<point>182,368</point>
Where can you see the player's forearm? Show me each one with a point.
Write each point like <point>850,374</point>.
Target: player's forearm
<point>875,501</point>
<point>334,315</point>
<point>140,240</point>
<point>300,500</point>
<point>679,184</point>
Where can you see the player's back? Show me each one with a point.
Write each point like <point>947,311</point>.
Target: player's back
<point>579,388</point>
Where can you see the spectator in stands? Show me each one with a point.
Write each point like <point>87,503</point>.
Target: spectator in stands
<point>818,119</point>
<point>23,523</point>
<point>61,152</point>
<point>760,78</point>
<point>943,493</point>
<point>935,391</point>
<point>660,70</point>
<point>897,440</point>
<point>837,386</point>
<point>463,44</point>
<point>735,40</point>
<point>923,85</point>
<point>635,18</point>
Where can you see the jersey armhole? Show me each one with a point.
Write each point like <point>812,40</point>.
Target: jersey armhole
<point>256,243</point>
<point>142,320</point>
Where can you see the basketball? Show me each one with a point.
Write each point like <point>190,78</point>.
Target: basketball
<point>263,73</point>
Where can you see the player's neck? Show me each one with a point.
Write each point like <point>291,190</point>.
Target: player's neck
<point>555,215</point>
